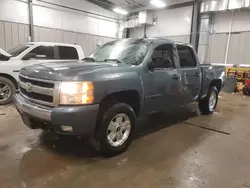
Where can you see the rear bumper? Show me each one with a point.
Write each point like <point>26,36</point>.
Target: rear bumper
<point>82,119</point>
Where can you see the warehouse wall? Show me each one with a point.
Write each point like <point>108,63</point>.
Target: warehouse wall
<point>57,24</point>
<point>239,41</point>
<point>174,24</point>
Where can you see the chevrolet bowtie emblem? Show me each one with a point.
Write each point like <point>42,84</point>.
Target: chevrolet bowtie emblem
<point>28,87</point>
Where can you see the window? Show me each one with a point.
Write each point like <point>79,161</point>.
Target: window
<point>43,52</point>
<point>67,52</point>
<point>186,55</point>
<point>129,51</point>
<point>161,54</point>
<point>19,49</point>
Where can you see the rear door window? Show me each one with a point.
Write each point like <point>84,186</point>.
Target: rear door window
<point>186,55</point>
<point>66,52</point>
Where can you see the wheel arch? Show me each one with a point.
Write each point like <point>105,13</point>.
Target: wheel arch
<point>130,97</point>
<point>11,78</point>
<point>216,83</point>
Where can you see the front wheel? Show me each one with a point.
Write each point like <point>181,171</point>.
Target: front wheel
<point>7,90</point>
<point>116,129</point>
<point>208,104</point>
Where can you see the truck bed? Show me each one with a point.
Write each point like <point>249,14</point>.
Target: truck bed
<point>211,72</point>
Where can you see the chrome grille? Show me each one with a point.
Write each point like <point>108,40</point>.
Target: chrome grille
<point>38,90</point>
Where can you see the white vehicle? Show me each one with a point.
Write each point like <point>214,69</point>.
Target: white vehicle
<point>29,54</point>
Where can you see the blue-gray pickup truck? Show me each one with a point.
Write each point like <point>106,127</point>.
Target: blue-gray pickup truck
<point>102,95</point>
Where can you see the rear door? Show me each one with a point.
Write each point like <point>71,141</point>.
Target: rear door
<point>190,73</point>
<point>66,53</point>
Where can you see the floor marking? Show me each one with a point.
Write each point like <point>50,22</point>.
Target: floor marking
<point>211,129</point>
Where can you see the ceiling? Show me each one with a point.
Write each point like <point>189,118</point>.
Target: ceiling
<point>133,5</point>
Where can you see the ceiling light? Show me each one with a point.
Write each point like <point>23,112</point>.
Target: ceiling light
<point>158,3</point>
<point>120,11</point>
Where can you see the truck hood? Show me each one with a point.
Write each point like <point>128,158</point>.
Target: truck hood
<point>4,56</point>
<point>65,70</point>
<point>4,53</point>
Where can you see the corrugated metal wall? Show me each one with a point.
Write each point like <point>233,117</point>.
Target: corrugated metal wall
<point>238,48</point>
<point>217,48</point>
<point>180,38</point>
<point>13,34</point>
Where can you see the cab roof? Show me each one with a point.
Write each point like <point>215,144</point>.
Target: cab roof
<point>158,40</point>
<point>52,43</point>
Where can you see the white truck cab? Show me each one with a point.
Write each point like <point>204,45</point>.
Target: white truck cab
<point>29,54</point>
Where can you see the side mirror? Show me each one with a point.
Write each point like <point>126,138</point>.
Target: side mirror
<point>160,63</point>
<point>29,56</point>
<point>152,65</point>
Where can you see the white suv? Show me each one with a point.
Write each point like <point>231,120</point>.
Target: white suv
<point>29,54</point>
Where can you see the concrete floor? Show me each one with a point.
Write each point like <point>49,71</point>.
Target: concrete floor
<point>177,149</point>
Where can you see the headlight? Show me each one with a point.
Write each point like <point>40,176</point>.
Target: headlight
<point>77,93</point>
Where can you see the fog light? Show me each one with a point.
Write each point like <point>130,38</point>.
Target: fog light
<point>66,128</point>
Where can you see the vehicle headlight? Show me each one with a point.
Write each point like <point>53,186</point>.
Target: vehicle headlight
<point>76,93</point>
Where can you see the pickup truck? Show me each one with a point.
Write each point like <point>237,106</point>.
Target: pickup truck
<point>28,54</point>
<point>102,95</point>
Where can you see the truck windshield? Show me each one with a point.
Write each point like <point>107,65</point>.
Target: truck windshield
<point>129,51</point>
<point>19,49</point>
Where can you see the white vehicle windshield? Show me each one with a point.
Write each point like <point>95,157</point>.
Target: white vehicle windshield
<point>19,49</point>
<point>129,51</point>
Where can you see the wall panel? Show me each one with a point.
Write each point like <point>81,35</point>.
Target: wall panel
<point>174,22</point>
<point>15,36</point>
<point>2,35</point>
<point>217,48</point>
<point>22,37</point>
<point>18,34</point>
<point>241,21</point>
<point>8,35</point>
<point>51,16</point>
<point>69,37</point>
<point>239,49</point>
<point>246,43</point>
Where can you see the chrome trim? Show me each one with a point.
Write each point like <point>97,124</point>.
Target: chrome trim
<point>32,108</point>
<point>36,89</point>
<point>56,93</point>
<point>37,79</point>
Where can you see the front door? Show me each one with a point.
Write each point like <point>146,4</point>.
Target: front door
<point>40,54</point>
<point>162,84</point>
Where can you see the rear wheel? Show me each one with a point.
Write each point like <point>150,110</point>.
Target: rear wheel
<point>208,104</point>
<point>246,91</point>
<point>7,90</point>
<point>116,129</point>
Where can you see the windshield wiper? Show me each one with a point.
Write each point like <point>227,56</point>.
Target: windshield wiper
<point>117,60</point>
<point>88,59</point>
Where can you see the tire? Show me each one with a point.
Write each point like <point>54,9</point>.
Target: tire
<point>124,112</point>
<point>204,105</point>
<point>246,91</point>
<point>12,89</point>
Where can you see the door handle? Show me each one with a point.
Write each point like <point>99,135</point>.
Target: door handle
<point>197,74</point>
<point>175,77</point>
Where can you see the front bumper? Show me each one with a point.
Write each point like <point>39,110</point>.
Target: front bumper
<point>82,119</point>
